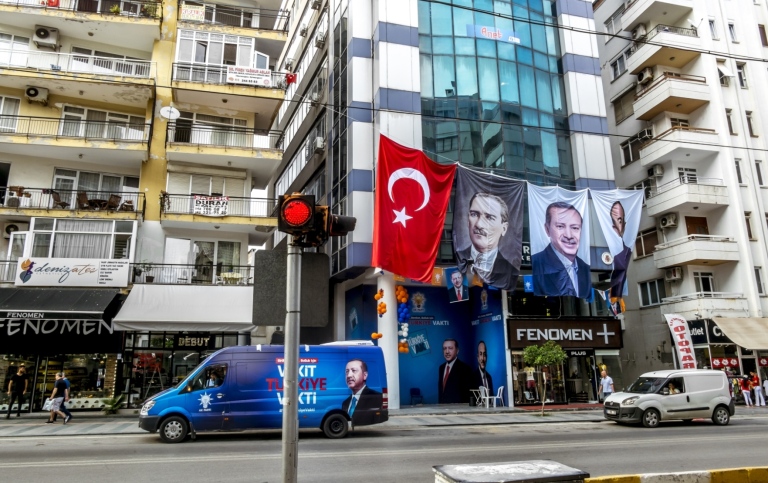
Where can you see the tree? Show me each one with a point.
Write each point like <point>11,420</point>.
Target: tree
<point>540,356</point>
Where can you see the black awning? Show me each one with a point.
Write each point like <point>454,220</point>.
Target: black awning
<point>57,304</point>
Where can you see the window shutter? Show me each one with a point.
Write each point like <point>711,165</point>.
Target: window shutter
<point>234,187</point>
<point>201,184</point>
<point>178,183</point>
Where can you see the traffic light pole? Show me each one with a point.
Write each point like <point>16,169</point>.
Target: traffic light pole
<point>290,379</point>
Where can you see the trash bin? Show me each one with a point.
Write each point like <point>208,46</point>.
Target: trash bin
<point>535,471</point>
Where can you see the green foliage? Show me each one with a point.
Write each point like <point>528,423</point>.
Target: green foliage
<point>115,9</point>
<point>549,354</point>
<point>111,405</point>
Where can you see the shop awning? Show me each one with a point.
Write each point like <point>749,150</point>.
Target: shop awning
<point>187,307</point>
<point>748,332</point>
<point>55,304</point>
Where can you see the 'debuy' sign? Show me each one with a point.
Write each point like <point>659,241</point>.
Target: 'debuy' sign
<point>71,272</point>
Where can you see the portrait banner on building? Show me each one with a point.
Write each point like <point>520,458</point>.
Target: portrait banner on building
<point>618,212</point>
<point>681,336</point>
<point>488,227</point>
<point>559,226</point>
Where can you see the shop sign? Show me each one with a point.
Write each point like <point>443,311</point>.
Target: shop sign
<point>199,341</point>
<point>580,353</point>
<point>249,76</point>
<point>56,336</point>
<point>195,13</point>
<point>716,336</point>
<point>570,334</point>
<point>762,361</point>
<point>719,362</point>
<point>698,331</point>
<point>71,272</point>
<point>681,337</point>
<point>492,33</point>
<point>211,205</point>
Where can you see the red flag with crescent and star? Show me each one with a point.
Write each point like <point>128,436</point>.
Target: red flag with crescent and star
<point>412,193</point>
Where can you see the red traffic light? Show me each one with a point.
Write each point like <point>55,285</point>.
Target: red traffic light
<point>297,214</point>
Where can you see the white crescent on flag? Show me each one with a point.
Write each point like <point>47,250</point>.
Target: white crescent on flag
<point>413,174</point>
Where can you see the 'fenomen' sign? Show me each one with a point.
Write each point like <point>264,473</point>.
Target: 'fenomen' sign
<point>570,334</point>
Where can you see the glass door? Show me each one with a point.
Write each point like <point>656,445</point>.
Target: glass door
<point>204,254</point>
<point>15,251</point>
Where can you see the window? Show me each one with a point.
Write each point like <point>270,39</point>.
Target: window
<point>92,123</point>
<point>713,28</point>
<point>648,186</point>
<point>687,175</point>
<point>759,172</point>
<point>72,238</point>
<point>750,126</point>
<point>9,109</point>
<point>205,129</point>
<point>738,171</point>
<point>732,31</point>
<point>652,292</point>
<point>618,67</point>
<point>748,221</point>
<point>13,50</point>
<point>680,123</point>
<point>763,37</point>
<point>759,280</point>
<point>646,242</point>
<point>99,62</point>
<point>630,149</point>
<point>704,281</point>
<point>742,75</point>
<point>216,50</point>
<point>613,24</point>
<point>729,118</point>
<point>724,73</point>
<point>623,106</point>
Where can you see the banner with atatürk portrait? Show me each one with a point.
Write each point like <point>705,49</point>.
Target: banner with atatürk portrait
<point>559,225</point>
<point>488,227</point>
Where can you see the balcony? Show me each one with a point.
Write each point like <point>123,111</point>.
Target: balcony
<point>692,144</point>
<point>680,93</point>
<point>725,304</point>
<point>688,193</point>
<point>229,18</point>
<point>654,12</point>
<point>664,45</point>
<point>118,143</point>
<point>696,250</point>
<point>166,273</point>
<point>22,201</point>
<point>50,65</point>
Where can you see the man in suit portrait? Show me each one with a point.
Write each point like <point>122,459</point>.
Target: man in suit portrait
<point>621,259</point>
<point>488,223</point>
<point>364,401</point>
<point>457,292</point>
<point>454,376</point>
<point>481,374</point>
<point>557,270</point>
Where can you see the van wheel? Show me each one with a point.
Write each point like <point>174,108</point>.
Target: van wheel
<point>335,426</point>
<point>721,416</point>
<point>174,429</point>
<point>651,418</point>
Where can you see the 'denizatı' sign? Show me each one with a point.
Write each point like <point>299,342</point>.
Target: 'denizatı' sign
<point>71,272</point>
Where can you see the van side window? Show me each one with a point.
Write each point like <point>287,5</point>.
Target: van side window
<point>211,377</point>
<point>676,385</point>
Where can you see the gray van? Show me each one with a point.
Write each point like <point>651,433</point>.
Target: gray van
<point>684,394</point>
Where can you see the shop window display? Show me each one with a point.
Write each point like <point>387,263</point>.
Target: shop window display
<point>611,365</point>
<point>9,365</point>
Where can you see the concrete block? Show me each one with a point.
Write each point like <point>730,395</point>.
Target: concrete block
<point>685,477</point>
<point>735,475</point>
<point>758,474</point>
<point>614,479</point>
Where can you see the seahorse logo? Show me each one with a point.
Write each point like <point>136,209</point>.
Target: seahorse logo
<point>26,266</point>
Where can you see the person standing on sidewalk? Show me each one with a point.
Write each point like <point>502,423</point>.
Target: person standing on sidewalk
<point>759,397</point>
<point>606,385</point>
<point>17,389</point>
<point>746,385</point>
<point>58,395</point>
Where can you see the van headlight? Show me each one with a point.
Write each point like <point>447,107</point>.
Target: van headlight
<point>629,401</point>
<point>146,407</point>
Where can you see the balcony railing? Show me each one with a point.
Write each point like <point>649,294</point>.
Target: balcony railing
<point>125,132</point>
<point>80,63</point>
<point>638,44</point>
<point>685,180</point>
<point>702,295</point>
<point>674,129</point>
<point>133,8</point>
<point>205,274</point>
<point>216,205</point>
<point>216,74</point>
<point>686,239</point>
<point>202,135</point>
<point>674,76</point>
<point>8,270</point>
<point>251,18</point>
<point>19,197</point>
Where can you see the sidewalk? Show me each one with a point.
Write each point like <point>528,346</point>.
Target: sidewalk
<point>96,423</point>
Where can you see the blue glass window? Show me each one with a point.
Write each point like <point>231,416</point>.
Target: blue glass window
<point>467,76</point>
<point>425,62</point>
<point>506,51</point>
<point>486,48</point>
<point>441,19</point>
<point>527,85</point>
<point>424,18</point>
<point>444,76</point>
<point>465,46</point>
<point>508,78</point>
<point>489,79</point>
<point>442,45</point>
<point>543,92</point>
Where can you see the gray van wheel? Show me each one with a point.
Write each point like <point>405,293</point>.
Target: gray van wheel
<point>335,426</point>
<point>174,429</point>
<point>721,416</point>
<point>651,418</point>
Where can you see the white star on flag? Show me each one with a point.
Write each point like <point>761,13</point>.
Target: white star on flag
<point>401,217</point>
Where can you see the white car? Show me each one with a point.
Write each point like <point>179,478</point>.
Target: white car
<point>673,394</point>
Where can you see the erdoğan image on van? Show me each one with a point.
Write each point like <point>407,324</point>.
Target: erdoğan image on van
<point>241,388</point>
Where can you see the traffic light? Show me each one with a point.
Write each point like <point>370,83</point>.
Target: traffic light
<point>296,214</point>
<point>339,225</point>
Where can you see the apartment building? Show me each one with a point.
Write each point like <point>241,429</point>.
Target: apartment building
<point>132,134</point>
<point>683,83</point>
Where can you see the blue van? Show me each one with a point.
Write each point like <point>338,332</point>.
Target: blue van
<point>238,388</point>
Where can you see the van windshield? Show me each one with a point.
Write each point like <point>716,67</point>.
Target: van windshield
<point>646,385</point>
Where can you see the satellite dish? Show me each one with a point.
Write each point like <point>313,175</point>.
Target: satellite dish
<point>607,258</point>
<point>170,112</point>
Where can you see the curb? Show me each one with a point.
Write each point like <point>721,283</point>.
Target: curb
<point>733,475</point>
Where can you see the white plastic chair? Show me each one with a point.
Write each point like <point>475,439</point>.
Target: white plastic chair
<point>483,395</point>
<point>499,395</point>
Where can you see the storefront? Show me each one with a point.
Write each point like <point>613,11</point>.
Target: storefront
<point>53,330</point>
<point>592,346</point>
<point>737,345</point>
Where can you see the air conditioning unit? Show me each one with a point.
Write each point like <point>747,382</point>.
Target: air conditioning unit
<point>316,4</point>
<point>668,221</point>
<point>319,144</point>
<point>303,31</point>
<point>320,40</point>
<point>46,37</point>
<point>314,98</point>
<point>656,171</point>
<point>638,32</point>
<point>645,134</point>
<point>36,94</point>
<point>289,63</point>
<point>645,76</point>
<point>11,227</point>
<point>673,274</point>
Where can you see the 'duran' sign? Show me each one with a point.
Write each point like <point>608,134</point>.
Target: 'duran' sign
<point>211,205</point>
<point>682,340</point>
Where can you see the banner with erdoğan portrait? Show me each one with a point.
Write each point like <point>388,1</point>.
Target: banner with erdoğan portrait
<point>559,226</point>
<point>488,227</point>
<point>681,337</point>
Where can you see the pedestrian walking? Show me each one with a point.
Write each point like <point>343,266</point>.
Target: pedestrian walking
<point>58,395</point>
<point>745,390</point>
<point>606,385</point>
<point>66,399</point>
<point>759,396</point>
<point>17,389</point>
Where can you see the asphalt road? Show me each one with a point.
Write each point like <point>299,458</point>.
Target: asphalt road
<point>385,454</point>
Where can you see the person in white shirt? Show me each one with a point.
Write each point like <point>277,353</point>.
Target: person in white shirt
<point>606,385</point>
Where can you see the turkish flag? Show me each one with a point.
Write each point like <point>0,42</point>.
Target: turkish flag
<point>412,194</point>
